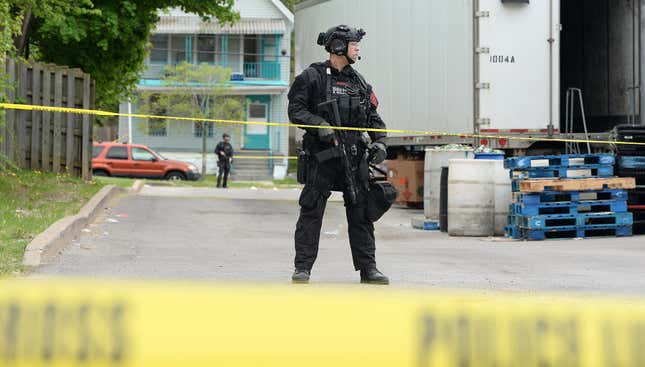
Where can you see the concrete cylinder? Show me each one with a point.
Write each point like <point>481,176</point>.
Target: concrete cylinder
<point>471,198</point>
<point>434,160</point>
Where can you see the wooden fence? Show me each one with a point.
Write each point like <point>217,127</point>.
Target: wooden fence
<point>48,141</point>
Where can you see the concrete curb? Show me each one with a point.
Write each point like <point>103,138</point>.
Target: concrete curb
<point>58,235</point>
<point>137,186</point>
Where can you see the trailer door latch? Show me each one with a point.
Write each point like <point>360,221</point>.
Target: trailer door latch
<point>483,121</point>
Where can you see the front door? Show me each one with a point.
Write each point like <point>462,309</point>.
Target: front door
<point>257,136</point>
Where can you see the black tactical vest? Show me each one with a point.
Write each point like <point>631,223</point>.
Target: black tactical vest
<point>351,93</point>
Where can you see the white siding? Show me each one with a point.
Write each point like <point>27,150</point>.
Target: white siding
<point>263,9</point>
<point>417,55</point>
<point>281,139</point>
<point>257,9</point>
<point>280,102</point>
<point>285,61</point>
<point>123,122</point>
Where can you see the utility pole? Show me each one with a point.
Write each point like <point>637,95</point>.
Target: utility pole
<point>204,154</point>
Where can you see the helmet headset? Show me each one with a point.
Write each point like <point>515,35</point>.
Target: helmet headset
<point>336,40</point>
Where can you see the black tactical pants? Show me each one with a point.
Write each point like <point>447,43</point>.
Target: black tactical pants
<point>322,178</point>
<point>224,170</point>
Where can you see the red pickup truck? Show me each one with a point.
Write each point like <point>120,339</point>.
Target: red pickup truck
<point>138,161</point>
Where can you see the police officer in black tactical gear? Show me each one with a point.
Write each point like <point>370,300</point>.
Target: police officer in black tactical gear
<point>224,153</point>
<point>323,169</point>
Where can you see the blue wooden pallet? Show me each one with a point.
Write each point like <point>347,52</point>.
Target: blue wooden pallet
<point>568,232</point>
<point>567,160</point>
<point>569,196</point>
<point>558,221</point>
<point>585,171</point>
<point>513,232</point>
<point>632,162</point>
<point>599,206</point>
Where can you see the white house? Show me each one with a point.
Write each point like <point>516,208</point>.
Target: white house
<point>257,49</point>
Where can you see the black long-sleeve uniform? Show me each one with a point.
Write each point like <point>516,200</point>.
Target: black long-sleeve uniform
<point>358,108</point>
<point>223,161</point>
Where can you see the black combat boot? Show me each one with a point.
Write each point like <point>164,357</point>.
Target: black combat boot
<point>373,276</point>
<point>300,276</point>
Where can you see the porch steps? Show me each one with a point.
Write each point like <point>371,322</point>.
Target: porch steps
<point>251,169</point>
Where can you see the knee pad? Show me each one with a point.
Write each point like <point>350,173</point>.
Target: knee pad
<point>311,197</point>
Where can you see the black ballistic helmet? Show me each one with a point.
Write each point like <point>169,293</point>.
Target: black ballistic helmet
<point>336,40</point>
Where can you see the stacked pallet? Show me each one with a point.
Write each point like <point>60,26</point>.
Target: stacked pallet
<point>634,166</point>
<point>631,163</point>
<point>567,196</point>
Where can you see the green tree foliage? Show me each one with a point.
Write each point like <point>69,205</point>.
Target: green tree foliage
<point>9,26</point>
<point>10,23</point>
<point>106,38</point>
<point>198,91</point>
<point>33,12</point>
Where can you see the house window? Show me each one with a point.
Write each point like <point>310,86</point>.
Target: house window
<point>235,53</point>
<point>252,48</point>
<point>270,48</point>
<point>157,127</point>
<point>177,48</point>
<point>198,130</point>
<point>252,57</point>
<point>159,51</point>
<point>257,111</point>
<point>206,48</point>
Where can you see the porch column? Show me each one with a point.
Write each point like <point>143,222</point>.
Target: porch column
<point>641,27</point>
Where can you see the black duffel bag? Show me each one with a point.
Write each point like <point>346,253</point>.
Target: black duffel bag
<point>380,199</point>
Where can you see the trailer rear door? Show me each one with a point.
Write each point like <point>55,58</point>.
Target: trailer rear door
<point>517,69</point>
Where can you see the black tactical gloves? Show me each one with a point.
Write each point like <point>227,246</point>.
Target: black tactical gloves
<point>377,153</point>
<point>326,135</point>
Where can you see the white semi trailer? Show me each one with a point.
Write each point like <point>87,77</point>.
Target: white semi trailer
<point>490,66</point>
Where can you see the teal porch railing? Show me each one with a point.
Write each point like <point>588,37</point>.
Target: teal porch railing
<point>154,70</point>
<point>264,70</point>
<point>268,70</point>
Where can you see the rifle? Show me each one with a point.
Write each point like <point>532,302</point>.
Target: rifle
<point>340,150</point>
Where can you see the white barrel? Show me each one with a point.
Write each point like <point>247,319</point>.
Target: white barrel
<point>434,160</point>
<point>503,196</point>
<point>471,197</point>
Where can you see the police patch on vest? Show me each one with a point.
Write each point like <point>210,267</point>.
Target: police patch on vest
<point>338,90</point>
<point>373,99</point>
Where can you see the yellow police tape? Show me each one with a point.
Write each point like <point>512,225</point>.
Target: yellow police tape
<point>274,157</point>
<point>63,323</point>
<point>24,107</point>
